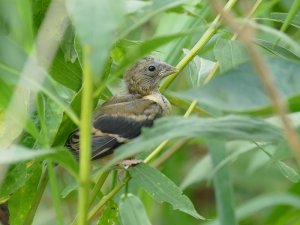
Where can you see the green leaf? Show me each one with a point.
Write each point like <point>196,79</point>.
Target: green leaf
<point>278,50</point>
<point>240,89</point>
<point>67,125</point>
<point>16,15</point>
<point>108,15</point>
<point>110,214</point>
<point>132,211</point>
<point>199,172</point>
<point>257,204</point>
<point>65,159</point>
<point>228,127</point>
<point>282,17</point>
<point>20,203</point>
<point>16,178</point>
<point>288,172</point>
<point>199,69</point>
<point>65,72</point>
<point>162,189</point>
<point>144,14</point>
<point>137,51</point>
<point>17,153</point>
<point>222,185</point>
<point>229,54</point>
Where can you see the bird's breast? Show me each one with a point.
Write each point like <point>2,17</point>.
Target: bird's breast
<point>161,100</point>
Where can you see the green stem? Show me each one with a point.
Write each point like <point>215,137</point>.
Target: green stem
<point>55,193</point>
<point>85,142</point>
<point>97,208</point>
<point>98,186</point>
<point>198,46</point>
<point>292,13</point>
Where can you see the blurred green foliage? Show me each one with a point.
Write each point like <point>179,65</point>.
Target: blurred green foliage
<point>234,167</point>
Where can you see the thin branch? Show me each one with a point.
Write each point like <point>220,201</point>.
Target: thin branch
<point>198,46</point>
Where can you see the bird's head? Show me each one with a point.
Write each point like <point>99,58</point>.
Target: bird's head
<point>143,77</point>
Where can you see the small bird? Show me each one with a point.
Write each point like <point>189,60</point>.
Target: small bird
<point>122,117</point>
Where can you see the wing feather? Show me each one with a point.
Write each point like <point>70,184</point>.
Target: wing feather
<point>115,124</point>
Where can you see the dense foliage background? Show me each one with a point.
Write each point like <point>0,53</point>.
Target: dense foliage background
<point>224,146</point>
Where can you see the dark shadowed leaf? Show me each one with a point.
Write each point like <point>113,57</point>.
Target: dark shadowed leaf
<point>162,189</point>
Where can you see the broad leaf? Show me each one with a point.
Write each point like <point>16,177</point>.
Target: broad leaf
<point>229,127</point>
<point>240,89</point>
<point>16,178</point>
<point>96,22</point>
<point>17,153</point>
<point>22,200</point>
<point>229,54</point>
<point>162,189</point>
<point>132,211</point>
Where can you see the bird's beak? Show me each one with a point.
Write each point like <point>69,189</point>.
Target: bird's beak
<point>168,70</point>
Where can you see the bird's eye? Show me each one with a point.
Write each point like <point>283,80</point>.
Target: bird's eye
<point>151,68</point>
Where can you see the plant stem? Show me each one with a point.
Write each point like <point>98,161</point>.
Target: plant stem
<point>85,142</point>
<point>291,14</point>
<point>97,208</point>
<point>55,193</point>
<point>198,46</point>
<point>98,186</point>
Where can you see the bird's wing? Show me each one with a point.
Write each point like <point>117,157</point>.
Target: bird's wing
<point>115,124</point>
